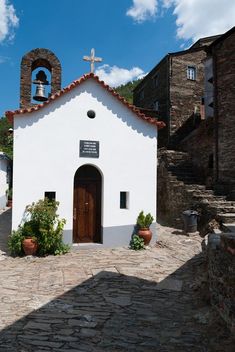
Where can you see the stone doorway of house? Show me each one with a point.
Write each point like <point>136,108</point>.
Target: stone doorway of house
<point>87,205</point>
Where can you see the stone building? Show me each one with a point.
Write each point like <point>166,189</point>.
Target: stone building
<point>175,88</point>
<point>221,54</point>
<point>66,149</point>
<point>206,165</point>
<point>211,143</point>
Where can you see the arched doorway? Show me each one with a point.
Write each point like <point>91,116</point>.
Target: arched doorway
<point>87,205</point>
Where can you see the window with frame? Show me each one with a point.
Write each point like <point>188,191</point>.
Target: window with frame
<point>191,73</point>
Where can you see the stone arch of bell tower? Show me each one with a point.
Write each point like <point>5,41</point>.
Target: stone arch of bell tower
<point>38,58</point>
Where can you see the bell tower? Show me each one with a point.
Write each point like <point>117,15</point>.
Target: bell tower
<point>31,62</point>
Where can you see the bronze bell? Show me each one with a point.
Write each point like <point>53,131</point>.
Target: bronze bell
<point>40,93</point>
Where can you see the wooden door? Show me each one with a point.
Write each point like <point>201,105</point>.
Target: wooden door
<point>87,205</point>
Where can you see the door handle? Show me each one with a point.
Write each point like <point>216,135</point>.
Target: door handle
<point>74,213</point>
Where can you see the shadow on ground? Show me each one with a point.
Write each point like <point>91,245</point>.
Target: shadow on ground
<point>114,312</point>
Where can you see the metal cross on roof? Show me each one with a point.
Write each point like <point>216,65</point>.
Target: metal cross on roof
<point>92,59</point>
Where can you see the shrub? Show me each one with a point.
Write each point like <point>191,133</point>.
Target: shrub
<point>137,243</point>
<point>15,242</point>
<point>44,225</point>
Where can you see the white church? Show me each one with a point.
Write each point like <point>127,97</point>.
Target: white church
<point>86,147</point>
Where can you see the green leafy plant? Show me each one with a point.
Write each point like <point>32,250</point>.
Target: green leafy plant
<point>144,221</point>
<point>137,243</point>
<point>6,139</point>
<point>44,225</point>
<point>15,242</point>
<point>9,194</point>
<point>48,226</point>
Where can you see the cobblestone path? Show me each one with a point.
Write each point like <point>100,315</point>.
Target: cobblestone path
<point>109,300</point>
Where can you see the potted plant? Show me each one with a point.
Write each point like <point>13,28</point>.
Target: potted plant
<point>30,242</point>
<point>144,222</point>
<point>42,233</point>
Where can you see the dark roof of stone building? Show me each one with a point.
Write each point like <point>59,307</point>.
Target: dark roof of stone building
<point>221,38</point>
<point>205,41</point>
<point>133,108</point>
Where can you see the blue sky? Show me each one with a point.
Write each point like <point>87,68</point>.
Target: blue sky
<point>130,35</point>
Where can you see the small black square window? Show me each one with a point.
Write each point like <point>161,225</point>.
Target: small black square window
<point>50,195</point>
<point>124,198</point>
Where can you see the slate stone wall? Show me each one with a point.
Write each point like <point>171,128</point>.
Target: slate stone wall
<point>221,272</point>
<point>172,197</point>
<point>200,146</point>
<point>224,77</point>
<point>32,60</point>
<point>177,96</point>
<point>155,88</point>
<point>185,94</point>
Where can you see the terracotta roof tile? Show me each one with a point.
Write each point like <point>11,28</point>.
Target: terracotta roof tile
<point>149,119</point>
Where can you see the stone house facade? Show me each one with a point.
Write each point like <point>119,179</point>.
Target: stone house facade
<point>211,144</point>
<point>175,88</point>
<point>222,54</point>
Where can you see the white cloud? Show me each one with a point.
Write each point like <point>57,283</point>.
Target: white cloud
<point>8,20</point>
<point>115,76</point>
<point>142,10</point>
<point>200,18</point>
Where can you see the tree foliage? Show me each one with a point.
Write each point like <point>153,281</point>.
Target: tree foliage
<point>6,140</point>
<point>126,90</point>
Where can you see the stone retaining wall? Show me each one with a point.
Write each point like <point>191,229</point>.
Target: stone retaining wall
<point>221,272</point>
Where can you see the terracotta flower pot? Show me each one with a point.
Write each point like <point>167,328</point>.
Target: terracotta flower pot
<point>146,234</point>
<point>9,203</point>
<point>30,246</point>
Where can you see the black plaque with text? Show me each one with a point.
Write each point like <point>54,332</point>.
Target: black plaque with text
<point>89,149</point>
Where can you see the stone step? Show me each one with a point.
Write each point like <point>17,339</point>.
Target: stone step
<point>177,171</point>
<point>176,183</point>
<point>195,187</point>
<point>227,217</point>
<point>222,203</point>
<point>222,209</point>
<point>187,178</point>
<point>229,227</point>
<point>198,192</point>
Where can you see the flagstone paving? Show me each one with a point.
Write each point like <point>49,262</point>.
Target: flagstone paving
<point>109,300</point>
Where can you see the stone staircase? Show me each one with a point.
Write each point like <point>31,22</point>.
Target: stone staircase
<point>183,188</point>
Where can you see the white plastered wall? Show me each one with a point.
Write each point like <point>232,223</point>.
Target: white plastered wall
<point>3,182</point>
<point>46,154</point>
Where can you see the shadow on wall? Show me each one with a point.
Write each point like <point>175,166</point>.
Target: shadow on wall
<point>5,229</point>
<point>183,131</point>
<point>112,312</point>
